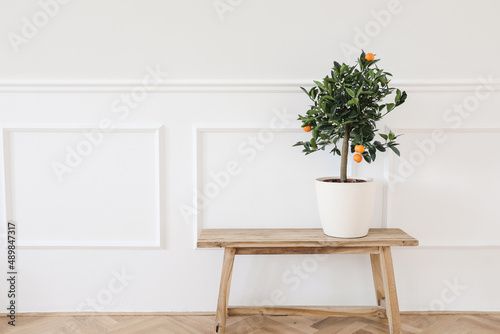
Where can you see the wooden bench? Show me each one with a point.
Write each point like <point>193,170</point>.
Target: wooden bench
<point>377,243</point>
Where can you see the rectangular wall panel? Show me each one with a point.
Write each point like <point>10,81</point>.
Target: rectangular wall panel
<point>84,187</point>
<point>444,188</point>
<point>254,178</point>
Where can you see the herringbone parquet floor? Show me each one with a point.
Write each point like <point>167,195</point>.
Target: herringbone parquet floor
<point>428,324</point>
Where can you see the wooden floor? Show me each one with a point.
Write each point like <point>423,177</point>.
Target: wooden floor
<point>200,324</point>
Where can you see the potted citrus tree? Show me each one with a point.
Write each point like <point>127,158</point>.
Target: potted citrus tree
<point>346,106</point>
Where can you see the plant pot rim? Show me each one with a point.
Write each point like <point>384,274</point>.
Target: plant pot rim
<point>366,179</point>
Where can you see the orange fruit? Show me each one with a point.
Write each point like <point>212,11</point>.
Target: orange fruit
<point>357,157</point>
<point>307,128</point>
<point>359,148</point>
<point>369,56</point>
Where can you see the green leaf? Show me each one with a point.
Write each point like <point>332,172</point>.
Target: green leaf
<point>315,133</point>
<point>402,99</point>
<point>320,85</point>
<point>367,157</point>
<point>383,136</point>
<point>395,150</point>
<point>352,101</point>
<point>391,135</point>
<point>313,92</point>
<point>390,106</point>
<point>350,92</point>
<point>360,62</point>
<point>342,69</point>
<point>371,74</point>
<point>313,144</point>
<point>378,145</point>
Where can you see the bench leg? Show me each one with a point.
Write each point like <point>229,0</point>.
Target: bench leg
<point>389,282</point>
<point>225,283</point>
<point>378,281</point>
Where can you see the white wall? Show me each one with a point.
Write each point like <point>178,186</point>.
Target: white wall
<point>114,230</point>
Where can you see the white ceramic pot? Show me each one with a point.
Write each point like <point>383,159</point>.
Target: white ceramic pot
<point>345,209</point>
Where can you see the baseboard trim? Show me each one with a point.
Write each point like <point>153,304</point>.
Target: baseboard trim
<point>95,314</point>
<point>450,312</point>
<point>165,314</point>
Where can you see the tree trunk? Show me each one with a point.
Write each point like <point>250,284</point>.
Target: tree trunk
<point>345,154</point>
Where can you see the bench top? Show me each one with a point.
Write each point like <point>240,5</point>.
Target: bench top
<point>295,237</point>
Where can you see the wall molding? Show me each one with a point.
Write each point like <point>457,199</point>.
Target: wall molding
<point>87,244</point>
<point>201,313</point>
<point>388,168</point>
<point>198,131</point>
<point>159,224</point>
<point>224,86</point>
